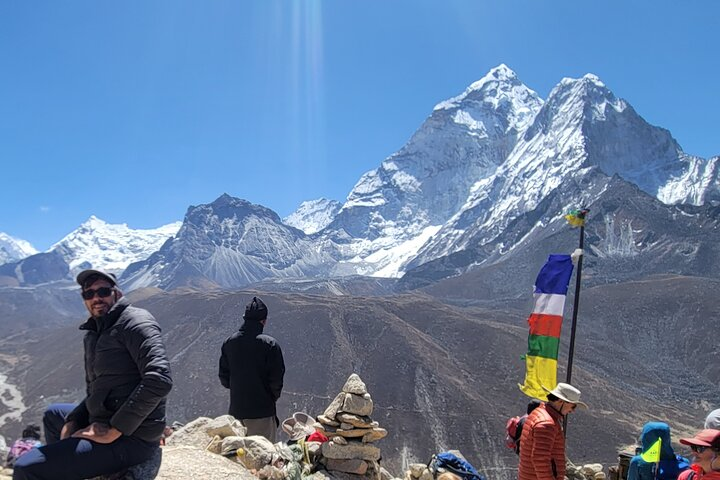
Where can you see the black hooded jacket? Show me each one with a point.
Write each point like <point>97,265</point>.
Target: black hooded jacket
<point>252,367</point>
<point>127,373</point>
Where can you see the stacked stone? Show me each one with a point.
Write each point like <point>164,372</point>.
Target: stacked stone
<point>347,423</point>
<point>418,471</point>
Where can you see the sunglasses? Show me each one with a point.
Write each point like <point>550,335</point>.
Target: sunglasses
<point>698,448</point>
<point>102,292</point>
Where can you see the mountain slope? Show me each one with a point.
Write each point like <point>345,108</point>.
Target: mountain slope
<point>98,244</point>
<point>403,202</point>
<point>581,129</point>
<point>228,243</point>
<point>440,377</point>
<point>313,215</point>
<point>13,249</point>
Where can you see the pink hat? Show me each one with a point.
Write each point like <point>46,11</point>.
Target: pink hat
<point>704,438</point>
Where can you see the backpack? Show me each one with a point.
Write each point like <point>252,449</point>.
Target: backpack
<point>513,428</point>
<point>20,448</point>
<point>450,462</point>
<point>670,469</point>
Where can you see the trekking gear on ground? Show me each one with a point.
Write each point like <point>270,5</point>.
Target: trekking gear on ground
<point>449,462</point>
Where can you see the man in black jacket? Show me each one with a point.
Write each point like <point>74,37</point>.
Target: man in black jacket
<point>252,367</point>
<point>127,373</point>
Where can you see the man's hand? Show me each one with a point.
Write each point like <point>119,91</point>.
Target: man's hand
<point>68,429</point>
<point>99,433</point>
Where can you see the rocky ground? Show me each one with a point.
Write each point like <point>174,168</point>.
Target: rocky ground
<point>219,449</point>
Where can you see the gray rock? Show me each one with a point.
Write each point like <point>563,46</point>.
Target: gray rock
<point>384,474</point>
<point>313,449</point>
<point>192,434</point>
<point>358,467</point>
<point>357,404</point>
<point>416,469</point>
<point>362,451</point>
<point>225,426</point>
<point>346,426</point>
<point>193,463</point>
<point>328,421</point>
<point>355,385</point>
<point>256,451</point>
<point>591,469</point>
<point>215,445</point>
<point>355,420</point>
<point>334,406</point>
<point>374,435</point>
<point>340,440</point>
<point>426,475</point>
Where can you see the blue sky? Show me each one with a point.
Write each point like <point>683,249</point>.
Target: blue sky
<point>134,110</point>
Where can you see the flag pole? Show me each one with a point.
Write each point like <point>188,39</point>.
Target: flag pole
<point>576,306</point>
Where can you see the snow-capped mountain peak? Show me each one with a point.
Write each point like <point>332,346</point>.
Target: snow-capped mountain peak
<point>313,215</point>
<point>96,243</point>
<point>499,90</point>
<point>13,249</point>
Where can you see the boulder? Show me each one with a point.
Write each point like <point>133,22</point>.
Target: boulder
<point>355,420</point>
<point>192,462</point>
<point>215,445</point>
<point>416,469</point>
<point>334,406</point>
<point>384,474</point>
<point>327,421</point>
<point>358,467</point>
<point>192,435</point>
<point>256,451</point>
<point>225,426</point>
<point>354,385</point>
<point>591,469</point>
<point>426,475</point>
<point>357,404</point>
<point>363,451</point>
<point>374,435</point>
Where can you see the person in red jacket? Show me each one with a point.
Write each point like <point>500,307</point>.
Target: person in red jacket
<point>705,447</point>
<point>542,456</point>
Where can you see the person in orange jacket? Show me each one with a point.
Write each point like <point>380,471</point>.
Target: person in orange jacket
<point>542,456</point>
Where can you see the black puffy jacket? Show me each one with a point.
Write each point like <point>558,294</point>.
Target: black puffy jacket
<point>252,367</point>
<point>127,373</point>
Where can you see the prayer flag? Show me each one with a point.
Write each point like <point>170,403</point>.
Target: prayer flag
<point>652,454</point>
<point>545,323</point>
<point>576,218</point>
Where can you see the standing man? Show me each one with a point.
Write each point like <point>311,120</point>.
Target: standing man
<point>127,373</point>
<point>252,367</point>
<point>542,456</point>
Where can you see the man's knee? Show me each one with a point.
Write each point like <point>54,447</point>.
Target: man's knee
<point>53,420</point>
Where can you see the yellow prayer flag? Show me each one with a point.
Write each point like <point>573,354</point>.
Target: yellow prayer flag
<point>652,454</point>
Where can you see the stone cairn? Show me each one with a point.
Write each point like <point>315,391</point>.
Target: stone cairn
<point>352,433</point>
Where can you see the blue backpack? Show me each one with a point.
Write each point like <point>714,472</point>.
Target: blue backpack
<point>452,463</point>
<point>670,469</point>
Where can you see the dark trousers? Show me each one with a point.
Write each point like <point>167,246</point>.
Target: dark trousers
<point>75,458</point>
<point>54,419</point>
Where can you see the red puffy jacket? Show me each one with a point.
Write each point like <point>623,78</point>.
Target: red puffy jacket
<point>542,446</point>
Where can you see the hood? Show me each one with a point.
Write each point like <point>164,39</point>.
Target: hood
<point>651,432</point>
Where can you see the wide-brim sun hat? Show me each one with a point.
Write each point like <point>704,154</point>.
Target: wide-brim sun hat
<point>567,393</point>
<point>704,438</point>
<point>299,426</point>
